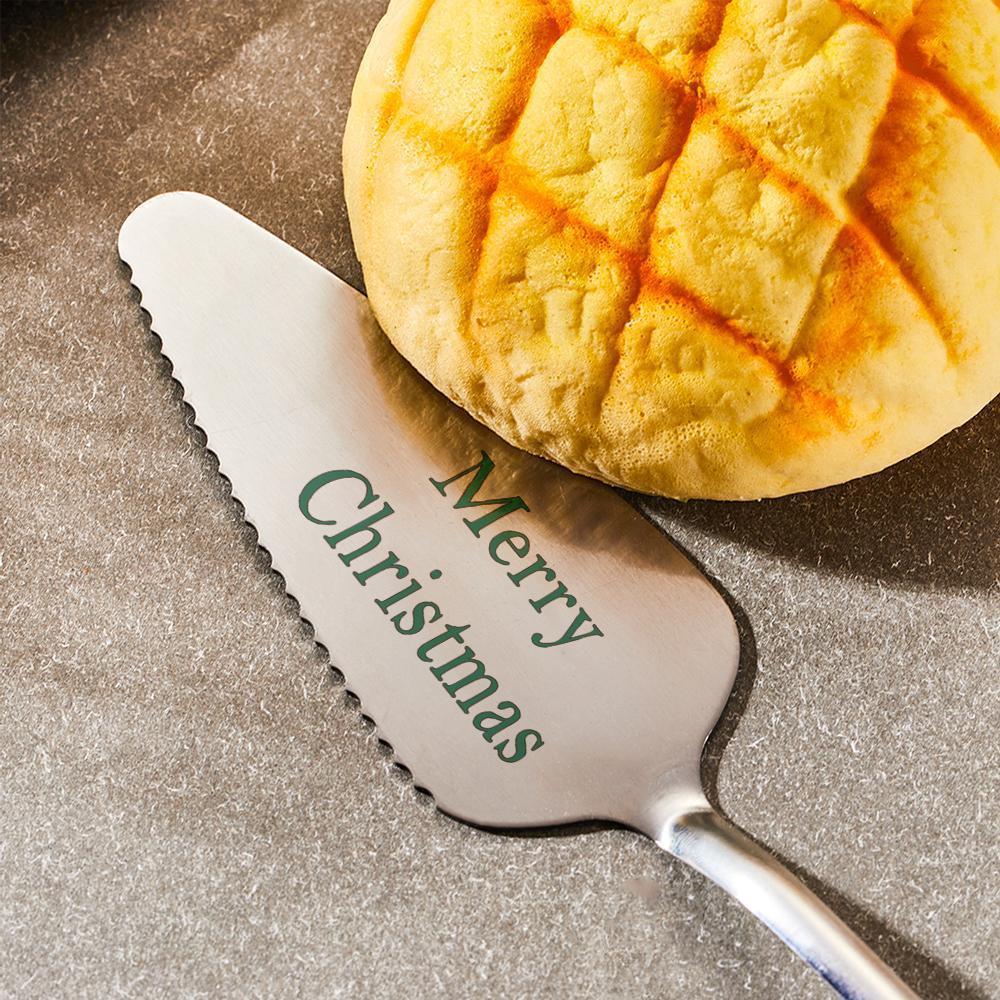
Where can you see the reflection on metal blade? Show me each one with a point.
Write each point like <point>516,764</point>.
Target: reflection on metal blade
<point>533,649</point>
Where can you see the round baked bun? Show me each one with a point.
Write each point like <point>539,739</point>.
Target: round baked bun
<point>695,248</point>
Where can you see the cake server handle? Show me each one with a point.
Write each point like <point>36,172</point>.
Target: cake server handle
<point>701,838</point>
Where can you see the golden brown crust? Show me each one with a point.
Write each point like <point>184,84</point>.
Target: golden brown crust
<point>694,247</point>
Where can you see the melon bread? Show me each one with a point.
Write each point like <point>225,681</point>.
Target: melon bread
<point>692,247</point>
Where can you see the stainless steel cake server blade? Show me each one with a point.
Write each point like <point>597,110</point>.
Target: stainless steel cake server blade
<point>533,649</point>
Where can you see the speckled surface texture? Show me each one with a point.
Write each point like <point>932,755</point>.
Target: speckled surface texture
<point>189,804</point>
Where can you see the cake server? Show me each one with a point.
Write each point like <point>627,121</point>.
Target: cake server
<point>534,650</point>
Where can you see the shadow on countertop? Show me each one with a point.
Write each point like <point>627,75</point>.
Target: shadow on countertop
<point>932,520</point>
<point>924,973</point>
<point>33,34</point>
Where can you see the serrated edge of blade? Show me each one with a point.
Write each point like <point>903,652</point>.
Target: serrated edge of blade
<point>191,420</point>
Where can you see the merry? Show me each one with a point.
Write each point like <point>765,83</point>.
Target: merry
<point>508,547</point>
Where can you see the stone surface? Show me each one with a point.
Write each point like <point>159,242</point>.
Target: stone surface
<point>189,804</point>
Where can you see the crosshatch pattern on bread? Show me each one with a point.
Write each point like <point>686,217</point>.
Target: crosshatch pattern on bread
<point>696,248</point>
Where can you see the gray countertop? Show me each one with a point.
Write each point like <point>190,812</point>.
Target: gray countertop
<point>189,803</point>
